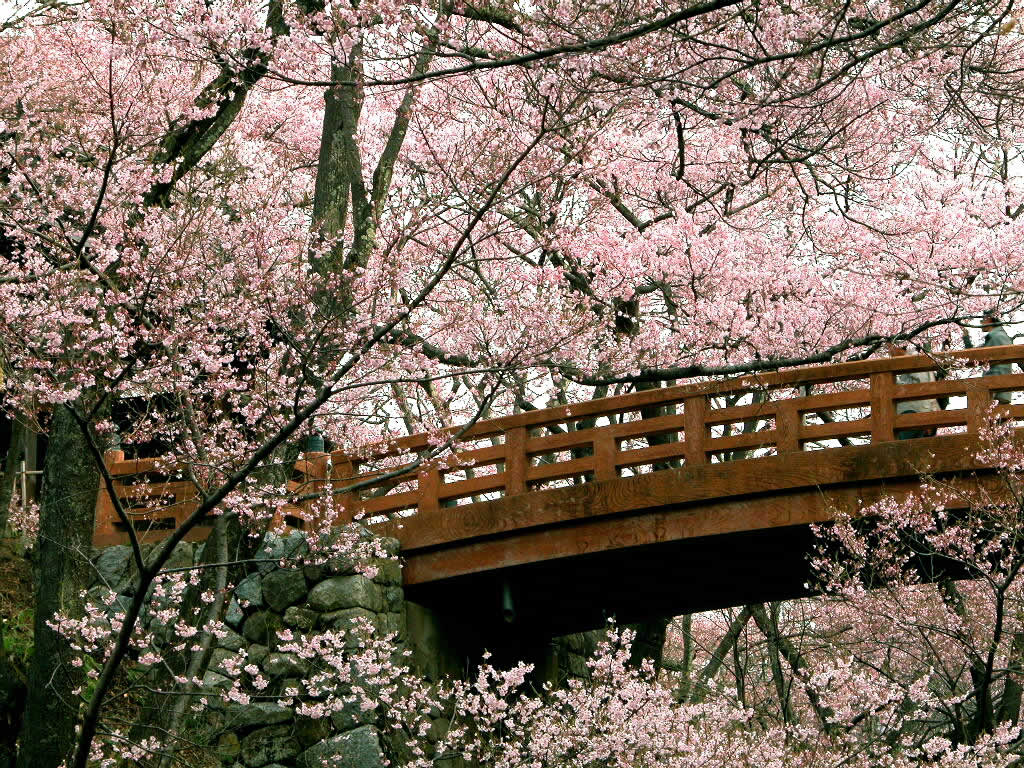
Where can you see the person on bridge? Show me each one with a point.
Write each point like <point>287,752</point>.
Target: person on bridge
<point>914,406</point>
<point>995,336</point>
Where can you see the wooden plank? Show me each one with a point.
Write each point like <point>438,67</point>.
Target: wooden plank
<point>857,398</point>
<point>598,535</point>
<point>1007,352</point>
<point>478,457</point>
<point>954,418</point>
<point>690,485</point>
<point>651,454</point>
<point>762,439</point>
<point>835,430</point>
<point>566,441</point>
<point>480,484</point>
<point>882,397</point>
<point>838,372</point>
<point>736,413</point>
<point>394,502</point>
<point>956,387</point>
<point>601,535</point>
<point>659,425</point>
<point>137,466</point>
<point>560,470</point>
<point>1009,381</point>
<point>344,467</point>
<point>670,395</point>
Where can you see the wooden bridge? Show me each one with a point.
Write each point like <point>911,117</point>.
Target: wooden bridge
<point>658,502</point>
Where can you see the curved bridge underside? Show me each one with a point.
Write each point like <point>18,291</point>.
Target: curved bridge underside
<point>666,543</point>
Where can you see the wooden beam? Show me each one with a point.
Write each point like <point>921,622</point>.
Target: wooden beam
<point>603,534</point>
<point>689,485</point>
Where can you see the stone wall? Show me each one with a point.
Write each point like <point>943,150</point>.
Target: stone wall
<point>303,598</point>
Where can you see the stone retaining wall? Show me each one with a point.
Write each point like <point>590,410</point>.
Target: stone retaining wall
<point>305,599</point>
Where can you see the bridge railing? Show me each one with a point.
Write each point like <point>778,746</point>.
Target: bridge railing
<point>598,440</point>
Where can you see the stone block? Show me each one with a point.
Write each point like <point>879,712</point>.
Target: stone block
<point>120,605</point>
<point>269,745</point>
<point>284,587</point>
<point>340,565</point>
<point>218,657</point>
<point>284,665</point>
<point>262,627</point>
<point>309,731</point>
<point>393,598</point>
<point>214,681</point>
<point>393,623</point>
<point>181,556</point>
<point>272,550</point>
<point>300,618</point>
<point>352,716</point>
<point>234,615</point>
<point>343,619</point>
<point>575,642</point>
<point>389,573</point>
<point>257,653</point>
<point>249,591</point>
<point>213,702</point>
<point>359,748</point>
<point>232,641</point>
<point>112,567</point>
<point>438,730</point>
<point>346,592</point>
<point>256,714</point>
<point>275,548</point>
<point>314,573</point>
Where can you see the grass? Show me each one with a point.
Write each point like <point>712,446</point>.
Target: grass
<point>16,605</point>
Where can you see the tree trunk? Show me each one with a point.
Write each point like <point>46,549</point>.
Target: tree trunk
<point>10,471</point>
<point>70,483</point>
<point>1009,703</point>
<point>650,641</point>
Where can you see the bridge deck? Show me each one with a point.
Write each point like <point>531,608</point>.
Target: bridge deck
<point>651,478</point>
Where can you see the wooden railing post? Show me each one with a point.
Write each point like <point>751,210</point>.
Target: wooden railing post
<point>430,489</point>
<point>883,410</point>
<point>979,399</point>
<point>345,471</point>
<point>515,461</point>
<point>105,532</point>
<point>695,411</point>
<point>604,456</point>
<point>787,427</point>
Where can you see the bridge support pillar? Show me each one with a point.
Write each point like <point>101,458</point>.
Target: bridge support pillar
<point>437,642</point>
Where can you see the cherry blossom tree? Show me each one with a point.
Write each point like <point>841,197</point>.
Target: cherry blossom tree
<point>228,225</point>
<point>915,646</point>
